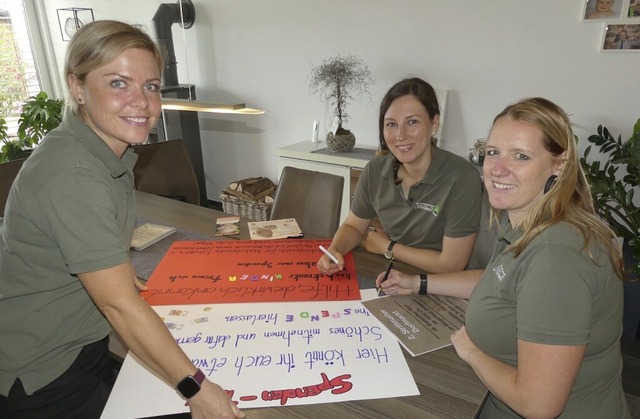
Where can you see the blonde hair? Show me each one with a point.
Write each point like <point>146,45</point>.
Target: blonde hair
<point>99,43</point>
<point>569,200</point>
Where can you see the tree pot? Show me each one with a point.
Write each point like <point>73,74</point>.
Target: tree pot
<point>341,142</point>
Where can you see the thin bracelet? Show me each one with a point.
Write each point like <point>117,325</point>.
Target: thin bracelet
<point>423,284</point>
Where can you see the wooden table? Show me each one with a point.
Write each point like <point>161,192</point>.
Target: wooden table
<point>448,386</point>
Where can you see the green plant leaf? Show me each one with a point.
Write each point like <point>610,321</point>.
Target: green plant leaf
<point>612,177</point>
<point>39,115</point>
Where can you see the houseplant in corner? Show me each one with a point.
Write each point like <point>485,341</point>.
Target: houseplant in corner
<point>338,79</point>
<point>40,114</point>
<point>613,183</point>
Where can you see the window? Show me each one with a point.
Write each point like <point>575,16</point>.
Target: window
<point>18,74</point>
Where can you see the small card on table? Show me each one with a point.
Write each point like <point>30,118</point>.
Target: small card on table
<point>227,226</point>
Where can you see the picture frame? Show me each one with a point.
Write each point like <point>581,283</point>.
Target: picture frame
<point>633,9</point>
<point>601,10</point>
<point>621,37</point>
<point>73,18</point>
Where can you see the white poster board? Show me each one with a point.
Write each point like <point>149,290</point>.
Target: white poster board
<point>272,354</point>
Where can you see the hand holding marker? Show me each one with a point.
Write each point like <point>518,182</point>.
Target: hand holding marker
<point>329,255</point>
<point>386,275</point>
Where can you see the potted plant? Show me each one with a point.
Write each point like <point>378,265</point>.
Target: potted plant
<point>40,114</point>
<point>612,186</point>
<point>613,189</point>
<point>338,79</point>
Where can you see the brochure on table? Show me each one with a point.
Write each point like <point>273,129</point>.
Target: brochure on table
<point>228,226</point>
<point>420,323</point>
<point>274,229</point>
<point>269,354</point>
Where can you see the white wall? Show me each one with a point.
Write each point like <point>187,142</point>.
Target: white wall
<point>487,53</point>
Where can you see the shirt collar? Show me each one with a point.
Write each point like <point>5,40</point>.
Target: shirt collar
<point>510,235</point>
<point>437,166</point>
<point>116,166</point>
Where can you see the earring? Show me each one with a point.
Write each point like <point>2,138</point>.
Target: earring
<point>550,182</point>
<point>79,100</point>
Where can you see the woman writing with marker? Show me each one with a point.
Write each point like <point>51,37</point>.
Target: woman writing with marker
<point>427,200</point>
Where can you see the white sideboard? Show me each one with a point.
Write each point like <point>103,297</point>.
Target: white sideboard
<point>315,156</point>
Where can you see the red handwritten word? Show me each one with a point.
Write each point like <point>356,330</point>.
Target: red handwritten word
<point>262,277</point>
<point>337,385</point>
<point>316,317</point>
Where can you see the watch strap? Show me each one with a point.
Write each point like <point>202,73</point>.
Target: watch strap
<point>423,284</point>
<point>199,376</point>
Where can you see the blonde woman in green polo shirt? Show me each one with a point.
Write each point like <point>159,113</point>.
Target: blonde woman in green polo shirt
<point>65,274</point>
<point>427,200</point>
<point>544,319</point>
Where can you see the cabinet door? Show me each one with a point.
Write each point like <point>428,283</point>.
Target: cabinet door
<point>325,168</point>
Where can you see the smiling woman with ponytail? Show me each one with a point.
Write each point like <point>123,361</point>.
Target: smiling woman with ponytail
<point>544,319</point>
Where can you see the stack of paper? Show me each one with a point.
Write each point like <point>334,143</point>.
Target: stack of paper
<point>148,234</point>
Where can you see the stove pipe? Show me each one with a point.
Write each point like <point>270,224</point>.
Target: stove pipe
<point>166,15</point>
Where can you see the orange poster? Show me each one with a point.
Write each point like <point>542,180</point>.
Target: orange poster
<point>242,271</point>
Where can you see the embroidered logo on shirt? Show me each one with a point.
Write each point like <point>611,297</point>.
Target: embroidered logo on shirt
<point>433,209</point>
<point>499,270</point>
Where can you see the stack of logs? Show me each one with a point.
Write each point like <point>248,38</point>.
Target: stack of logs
<point>253,189</point>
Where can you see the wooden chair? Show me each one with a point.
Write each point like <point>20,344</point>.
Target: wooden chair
<point>8,172</point>
<point>312,198</point>
<point>164,169</point>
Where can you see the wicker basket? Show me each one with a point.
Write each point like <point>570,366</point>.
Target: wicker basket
<point>340,143</point>
<point>254,210</point>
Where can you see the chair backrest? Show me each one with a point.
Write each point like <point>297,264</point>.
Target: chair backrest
<point>314,199</point>
<point>164,169</point>
<point>8,172</point>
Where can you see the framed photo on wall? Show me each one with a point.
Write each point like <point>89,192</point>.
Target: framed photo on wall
<point>599,10</point>
<point>621,38</point>
<point>633,10</point>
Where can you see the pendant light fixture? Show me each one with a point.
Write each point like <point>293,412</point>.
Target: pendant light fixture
<point>185,11</point>
<point>199,106</point>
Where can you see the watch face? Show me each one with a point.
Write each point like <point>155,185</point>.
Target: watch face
<point>188,387</point>
<point>389,252</point>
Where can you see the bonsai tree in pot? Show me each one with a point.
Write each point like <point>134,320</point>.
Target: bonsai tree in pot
<point>40,114</point>
<point>338,79</point>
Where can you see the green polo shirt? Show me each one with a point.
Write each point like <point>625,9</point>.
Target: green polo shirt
<point>70,210</point>
<point>446,202</point>
<point>553,294</point>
